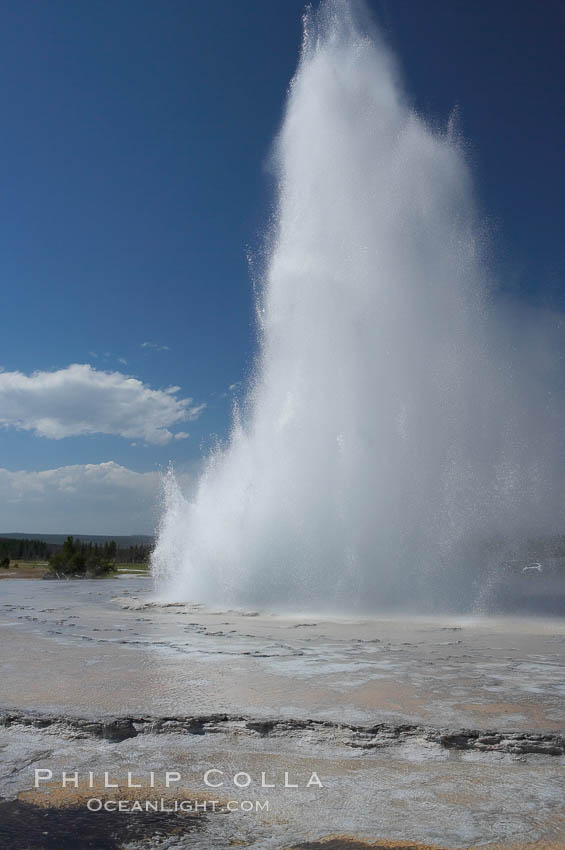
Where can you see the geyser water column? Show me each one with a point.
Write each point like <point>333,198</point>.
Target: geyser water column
<point>380,443</point>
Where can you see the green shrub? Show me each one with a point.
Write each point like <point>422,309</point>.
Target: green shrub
<point>76,560</point>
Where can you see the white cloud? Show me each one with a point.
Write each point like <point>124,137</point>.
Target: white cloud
<point>108,356</point>
<point>230,390</point>
<point>155,346</point>
<point>182,435</point>
<point>195,411</point>
<point>82,400</point>
<point>103,498</point>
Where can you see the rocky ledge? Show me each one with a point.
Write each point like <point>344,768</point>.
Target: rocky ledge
<point>327,732</point>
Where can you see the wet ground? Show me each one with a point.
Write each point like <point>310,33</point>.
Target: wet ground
<point>445,731</point>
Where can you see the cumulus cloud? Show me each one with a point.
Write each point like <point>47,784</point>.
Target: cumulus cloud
<point>82,400</point>
<point>103,498</point>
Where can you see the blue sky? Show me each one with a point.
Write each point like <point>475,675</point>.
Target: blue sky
<point>134,172</point>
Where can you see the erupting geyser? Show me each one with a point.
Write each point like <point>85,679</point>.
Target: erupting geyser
<point>390,451</point>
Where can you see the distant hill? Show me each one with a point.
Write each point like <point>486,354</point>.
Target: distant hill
<point>122,540</point>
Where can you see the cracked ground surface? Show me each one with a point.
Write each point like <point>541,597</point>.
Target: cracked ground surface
<point>438,731</point>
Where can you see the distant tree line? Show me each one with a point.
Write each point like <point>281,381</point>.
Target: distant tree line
<point>24,550</point>
<point>39,550</point>
<point>139,553</point>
